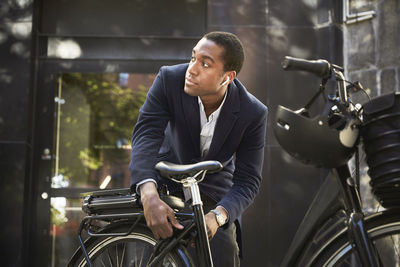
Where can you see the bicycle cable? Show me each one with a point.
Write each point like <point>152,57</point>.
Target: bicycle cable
<point>356,85</point>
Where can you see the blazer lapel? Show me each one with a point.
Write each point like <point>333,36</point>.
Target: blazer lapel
<point>192,116</point>
<point>226,121</point>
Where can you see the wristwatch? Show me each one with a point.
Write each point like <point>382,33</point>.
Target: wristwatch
<point>221,219</point>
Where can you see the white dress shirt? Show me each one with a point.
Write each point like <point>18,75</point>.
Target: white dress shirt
<point>207,128</point>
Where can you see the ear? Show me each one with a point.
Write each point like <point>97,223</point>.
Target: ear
<point>226,81</point>
<point>229,77</point>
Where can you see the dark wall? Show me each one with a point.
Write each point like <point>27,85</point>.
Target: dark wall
<point>15,47</point>
<point>270,30</point>
<point>108,41</point>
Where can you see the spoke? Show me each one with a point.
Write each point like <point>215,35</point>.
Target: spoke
<point>134,250</point>
<point>109,258</point>
<point>116,254</point>
<point>396,246</point>
<point>102,262</point>
<point>141,259</point>
<point>123,254</point>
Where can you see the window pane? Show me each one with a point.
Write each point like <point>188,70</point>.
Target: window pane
<point>95,117</point>
<point>66,215</point>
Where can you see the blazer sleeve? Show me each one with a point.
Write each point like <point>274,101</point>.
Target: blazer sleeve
<point>148,133</point>
<point>248,168</point>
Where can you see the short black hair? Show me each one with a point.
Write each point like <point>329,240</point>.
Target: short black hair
<point>233,56</point>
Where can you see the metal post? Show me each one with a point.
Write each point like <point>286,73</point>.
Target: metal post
<point>202,244</point>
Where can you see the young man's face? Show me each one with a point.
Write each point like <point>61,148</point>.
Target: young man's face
<point>205,74</point>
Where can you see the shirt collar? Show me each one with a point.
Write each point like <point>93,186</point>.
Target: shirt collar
<point>217,111</point>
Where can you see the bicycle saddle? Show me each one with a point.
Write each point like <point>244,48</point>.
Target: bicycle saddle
<point>180,171</point>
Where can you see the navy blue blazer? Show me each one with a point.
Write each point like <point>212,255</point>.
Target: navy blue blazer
<point>168,128</point>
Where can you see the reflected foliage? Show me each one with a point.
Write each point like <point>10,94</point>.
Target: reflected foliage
<point>57,217</point>
<point>97,115</point>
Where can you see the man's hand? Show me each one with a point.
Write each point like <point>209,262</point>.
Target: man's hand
<point>212,225</point>
<point>160,218</point>
<point>211,222</point>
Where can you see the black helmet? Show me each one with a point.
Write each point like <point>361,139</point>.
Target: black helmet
<point>325,141</point>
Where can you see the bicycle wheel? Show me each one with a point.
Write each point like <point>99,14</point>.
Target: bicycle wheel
<point>133,250</point>
<point>383,230</point>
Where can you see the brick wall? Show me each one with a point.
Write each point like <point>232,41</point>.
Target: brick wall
<point>371,52</point>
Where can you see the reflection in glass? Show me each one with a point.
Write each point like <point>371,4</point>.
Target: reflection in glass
<point>95,115</point>
<point>95,118</point>
<point>66,215</point>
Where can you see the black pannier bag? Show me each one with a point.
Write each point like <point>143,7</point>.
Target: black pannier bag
<point>381,137</point>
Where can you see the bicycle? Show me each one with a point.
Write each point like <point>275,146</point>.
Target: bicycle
<point>117,231</point>
<point>335,231</point>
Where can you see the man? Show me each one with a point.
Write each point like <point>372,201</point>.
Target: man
<point>200,111</point>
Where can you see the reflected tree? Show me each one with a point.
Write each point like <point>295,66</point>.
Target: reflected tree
<point>96,122</point>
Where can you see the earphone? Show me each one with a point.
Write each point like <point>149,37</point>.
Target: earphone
<point>225,82</point>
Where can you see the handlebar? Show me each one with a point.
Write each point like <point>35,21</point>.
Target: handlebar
<point>327,139</point>
<point>320,67</point>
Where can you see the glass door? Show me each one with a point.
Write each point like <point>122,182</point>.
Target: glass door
<point>93,121</point>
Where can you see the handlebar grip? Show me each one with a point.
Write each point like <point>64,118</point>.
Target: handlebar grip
<point>320,67</point>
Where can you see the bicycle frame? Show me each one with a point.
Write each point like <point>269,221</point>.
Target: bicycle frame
<point>341,195</point>
<point>202,244</point>
<point>353,208</point>
<point>163,247</point>
<point>338,193</point>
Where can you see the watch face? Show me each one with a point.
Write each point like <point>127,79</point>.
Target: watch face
<point>220,219</point>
